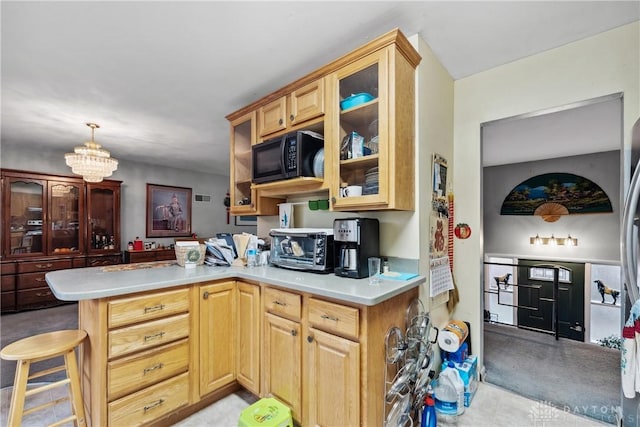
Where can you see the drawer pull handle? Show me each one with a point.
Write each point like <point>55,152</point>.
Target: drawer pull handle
<point>43,294</point>
<point>154,336</point>
<point>154,308</point>
<point>153,405</point>
<point>40,279</point>
<point>283,304</point>
<point>153,368</point>
<point>327,317</point>
<point>48,265</point>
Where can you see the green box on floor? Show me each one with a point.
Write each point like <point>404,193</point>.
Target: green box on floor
<point>267,412</point>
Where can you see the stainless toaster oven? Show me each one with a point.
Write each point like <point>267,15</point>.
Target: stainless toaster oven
<point>307,249</point>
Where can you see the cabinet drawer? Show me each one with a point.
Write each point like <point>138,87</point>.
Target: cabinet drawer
<point>165,254</point>
<point>151,403</point>
<point>46,265</point>
<point>140,256</point>
<point>36,298</point>
<point>31,280</point>
<point>282,303</point>
<point>141,370</point>
<point>103,260</point>
<point>147,335</point>
<point>126,311</point>
<point>8,283</point>
<point>8,268</point>
<point>334,317</point>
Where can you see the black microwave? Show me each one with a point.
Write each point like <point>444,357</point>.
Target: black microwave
<point>293,155</point>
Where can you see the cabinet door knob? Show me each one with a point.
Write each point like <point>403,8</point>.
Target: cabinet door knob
<point>309,338</point>
<point>205,295</point>
<point>333,200</point>
<point>280,122</point>
<point>294,332</point>
<point>291,117</point>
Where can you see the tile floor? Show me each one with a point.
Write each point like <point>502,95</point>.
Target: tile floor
<point>491,407</point>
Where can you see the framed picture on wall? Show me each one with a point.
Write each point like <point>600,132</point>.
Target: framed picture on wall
<point>246,220</point>
<point>168,211</point>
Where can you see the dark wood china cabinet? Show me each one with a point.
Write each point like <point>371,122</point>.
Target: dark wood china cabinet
<point>53,222</point>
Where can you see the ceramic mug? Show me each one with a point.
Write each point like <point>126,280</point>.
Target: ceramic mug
<point>351,191</point>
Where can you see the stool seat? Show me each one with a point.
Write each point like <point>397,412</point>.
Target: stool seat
<point>43,346</point>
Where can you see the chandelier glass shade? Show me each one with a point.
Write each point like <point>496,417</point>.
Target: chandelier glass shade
<point>90,160</point>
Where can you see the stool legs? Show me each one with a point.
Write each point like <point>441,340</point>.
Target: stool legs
<point>18,394</point>
<point>74,387</point>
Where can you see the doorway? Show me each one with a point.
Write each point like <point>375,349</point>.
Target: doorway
<point>536,295</point>
<point>564,139</point>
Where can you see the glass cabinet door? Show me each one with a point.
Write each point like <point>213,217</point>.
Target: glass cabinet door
<point>66,201</point>
<point>103,208</point>
<point>243,136</point>
<point>26,208</point>
<point>362,133</point>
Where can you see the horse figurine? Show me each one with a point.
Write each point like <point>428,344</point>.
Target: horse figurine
<point>605,290</point>
<point>504,280</point>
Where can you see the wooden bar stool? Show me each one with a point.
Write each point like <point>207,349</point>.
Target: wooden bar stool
<point>41,347</point>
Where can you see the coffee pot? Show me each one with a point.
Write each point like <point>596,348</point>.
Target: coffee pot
<point>355,240</point>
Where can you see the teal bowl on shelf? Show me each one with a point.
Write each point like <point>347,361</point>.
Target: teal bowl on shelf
<point>355,100</point>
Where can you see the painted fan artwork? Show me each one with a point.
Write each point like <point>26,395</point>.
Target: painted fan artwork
<point>552,195</point>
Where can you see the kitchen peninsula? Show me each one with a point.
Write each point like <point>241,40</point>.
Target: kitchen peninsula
<point>166,341</point>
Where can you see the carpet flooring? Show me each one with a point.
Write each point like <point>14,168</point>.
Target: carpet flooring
<point>576,377</point>
<point>28,323</point>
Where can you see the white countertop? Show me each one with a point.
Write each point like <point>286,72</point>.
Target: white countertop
<point>99,282</point>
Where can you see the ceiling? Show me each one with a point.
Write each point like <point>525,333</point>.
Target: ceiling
<point>160,77</point>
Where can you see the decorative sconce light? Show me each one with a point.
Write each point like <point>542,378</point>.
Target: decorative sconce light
<point>553,241</point>
<point>91,161</point>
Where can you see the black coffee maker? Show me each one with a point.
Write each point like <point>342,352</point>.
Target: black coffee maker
<point>354,241</point>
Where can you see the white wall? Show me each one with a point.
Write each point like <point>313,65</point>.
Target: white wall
<point>434,134</point>
<point>605,64</point>
<point>207,218</point>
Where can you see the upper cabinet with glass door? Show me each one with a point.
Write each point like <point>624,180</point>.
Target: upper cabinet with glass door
<point>103,215</point>
<point>25,205</point>
<point>372,131</point>
<point>368,140</point>
<point>66,211</point>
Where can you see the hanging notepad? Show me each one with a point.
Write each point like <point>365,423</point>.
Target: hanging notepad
<point>440,276</point>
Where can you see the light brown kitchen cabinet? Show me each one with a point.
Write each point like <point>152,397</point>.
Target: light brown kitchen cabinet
<point>283,348</point>
<point>243,199</point>
<point>51,223</point>
<point>383,165</point>
<point>384,69</point>
<point>156,357</point>
<point>248,321</point>
<point>135,367</point>
<point>300,105</point>
<point>217,337</point>
<point>333,380</point>
<point>333,373</point>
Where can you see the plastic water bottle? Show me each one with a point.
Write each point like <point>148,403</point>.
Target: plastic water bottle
<point>428,413</point>
<point>449,391</point>
<point>252,254</point>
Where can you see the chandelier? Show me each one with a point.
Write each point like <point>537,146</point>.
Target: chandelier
<point>91,161</point>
